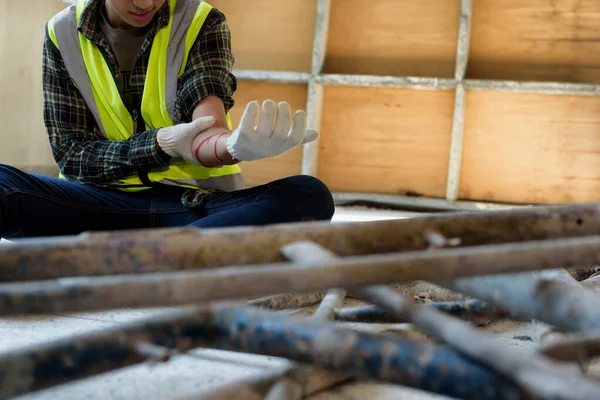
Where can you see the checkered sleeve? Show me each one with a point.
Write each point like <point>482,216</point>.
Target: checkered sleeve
<point>81,155</point>
<point>209,68</point>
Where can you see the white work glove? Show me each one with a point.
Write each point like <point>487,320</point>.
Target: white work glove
<point>177,140</point>
<point>268,139</point>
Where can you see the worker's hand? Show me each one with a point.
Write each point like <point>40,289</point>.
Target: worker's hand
<point>273,135</point>
<point>177,140</point>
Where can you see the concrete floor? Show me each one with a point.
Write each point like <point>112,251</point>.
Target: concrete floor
<point>189,375</point>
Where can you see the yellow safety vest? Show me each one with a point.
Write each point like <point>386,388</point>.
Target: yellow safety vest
<point>168,58</point>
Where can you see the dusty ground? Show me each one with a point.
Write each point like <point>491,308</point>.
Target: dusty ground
<point>194,373</point>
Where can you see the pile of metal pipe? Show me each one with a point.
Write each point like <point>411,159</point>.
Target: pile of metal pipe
<point>510,264</point>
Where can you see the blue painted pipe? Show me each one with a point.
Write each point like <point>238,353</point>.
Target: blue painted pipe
<point>382,357</point>
<point>389,358</point>
<point>468,309</point>
<point>528,295</point>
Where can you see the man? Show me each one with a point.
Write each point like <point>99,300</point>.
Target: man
<point>136,102</point>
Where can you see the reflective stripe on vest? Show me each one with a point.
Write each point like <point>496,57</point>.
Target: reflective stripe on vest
<point>168,58</point>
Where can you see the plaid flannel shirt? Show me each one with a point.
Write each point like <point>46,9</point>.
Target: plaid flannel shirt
<point>84,157</point>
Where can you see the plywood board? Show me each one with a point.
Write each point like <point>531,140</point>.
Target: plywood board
<point>287,164</point>
<point>271,34</point>
<point>393,37</point>
<point>385,140</point>
<point>527,148</point>
<point>545,40</point>
<point>23,139</point>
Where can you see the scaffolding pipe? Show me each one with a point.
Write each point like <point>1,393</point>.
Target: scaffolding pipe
<point>243,282</point>
<point>527,295</point>
<point>381,357</point>
<point>132,252</point>
<point>469,309</point>
<point>536,374</point>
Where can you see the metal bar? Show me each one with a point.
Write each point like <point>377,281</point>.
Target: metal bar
<point>456,145</point>
<point>326,310</point>
<point>143,251</point>
<point>314,101</point>
<point>69,359</point>
<point>386,358</point>
<point>469,309</point>
<point>187,287</point>
<point>464,39</point>
<point>409,203</point>
<point>295,377</point>
<point>272,76</point>
<point>530,371</point>
<point>577,347</point>
<point>407,82</point>
<point>314,112</point>
<point>320,36</point>
<point>546,334</point>
<point>525,369</point>
<point>176,249</point>
<point>547,88</point>
<point>593,282</point>
<point>420,83</point>
<point>458,122</point>
<point>571,307</point>
<point>549,336</point>
<point>292,381</point>
<point>357,354</point>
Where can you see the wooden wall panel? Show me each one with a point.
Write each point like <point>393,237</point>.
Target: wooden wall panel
<point>393,37</point>
<point>546,40</point>
<point>271,34</point>
<point>288,164</point>
<point>527,148</point>
<point>23,139</point>
<point>384,140</point>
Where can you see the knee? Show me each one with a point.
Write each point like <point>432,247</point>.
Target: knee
<point>311,197</point>
<point>9,178</point>
<point>6,173</point>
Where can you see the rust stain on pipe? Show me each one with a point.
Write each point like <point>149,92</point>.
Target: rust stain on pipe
<point>187,287</point>
<point>105,253</point>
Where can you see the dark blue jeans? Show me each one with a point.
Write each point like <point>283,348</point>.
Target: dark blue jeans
<point>33,205</point>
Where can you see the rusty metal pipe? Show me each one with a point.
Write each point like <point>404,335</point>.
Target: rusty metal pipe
<point>294,382</point>
<point>538,375</point>
<point>469,309</point>
<point>187,287</point>
<point>382,357</point>
<point>575,347</point>
<point>527,295</point>
<point>131,251</point>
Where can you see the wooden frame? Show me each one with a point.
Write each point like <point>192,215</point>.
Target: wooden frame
<point>482,62</point>
<point>488,61</point>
